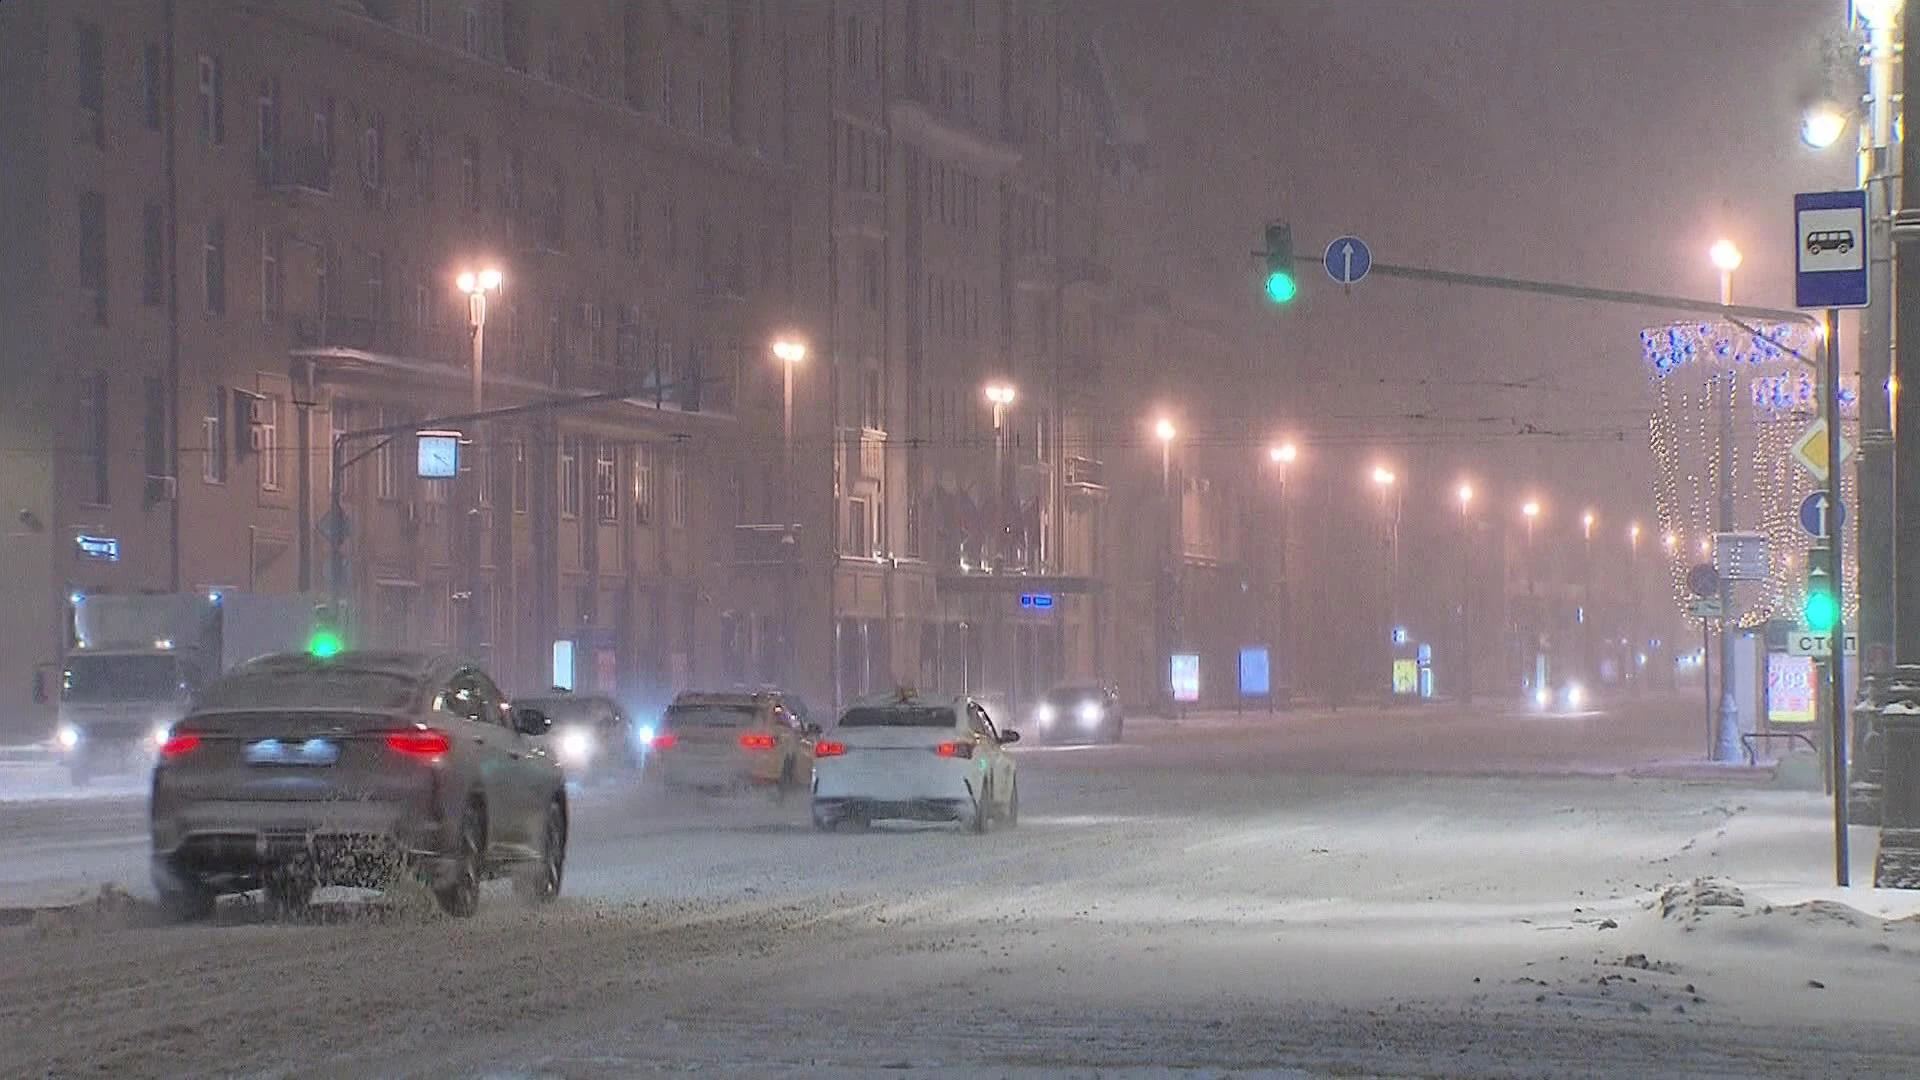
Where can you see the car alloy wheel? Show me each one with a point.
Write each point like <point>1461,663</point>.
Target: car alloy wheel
<point>461,899</point>
<point>540,883</point>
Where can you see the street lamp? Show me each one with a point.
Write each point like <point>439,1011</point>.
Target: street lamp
<point>1530,510</point>
<point>1284,454</point>
<point>1170,566</point>
<point>790,352</point>
<point>1001,396</point>
<point>477,285</point>
<point>1385,480</point>
<point>1465,495</point>
<point>1586,593</point>
<point>1822,126</point>
<point>1726,258</point>
<point>1164,430</point>
<point>1634,656</point>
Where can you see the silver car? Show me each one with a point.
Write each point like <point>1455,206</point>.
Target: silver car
<point>297,771</point>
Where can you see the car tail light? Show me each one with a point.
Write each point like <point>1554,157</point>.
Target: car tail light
<point>419,742</point>
<point>666,742</point>
<point>756,741</point>
<point>954,749</point>
<point>829,748</point>
<point>179,746</point>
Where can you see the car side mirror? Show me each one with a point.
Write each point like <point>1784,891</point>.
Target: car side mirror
<point>1008,738</point>
<point>528,720</point>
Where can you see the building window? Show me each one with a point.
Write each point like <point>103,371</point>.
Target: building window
<point>270,279</point>
<point>90,71</point>
<point>420,164</point>
<point>95,430</point>
<point>570,476</point>
<point>266,432</point>
<point>631,246</point>
<point>522,475</point>
<point>643,485</point>
<point>871,400</point>
<point>606,483</point>
<point>475,35</point>
<point>93,254</point>
<point>213,105</point>
<point>268,141</point>
<point>372,151</point>
<point>857,539</point>
<point>870,279</point>
<point>676,491</point>
<point>213,436</point>
<point>152,93</point>
<point>470,173</point>
<point>423,17</point>
<point>155,426</point>
<point>386,464</point>
<point>592,330</point>
<point>915,549</point>
<point>213,266</point>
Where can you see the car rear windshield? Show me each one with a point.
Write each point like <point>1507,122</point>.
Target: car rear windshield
<point>106,679</point>
<point>898,716</point>
<point>1075,693</point>
<point>327,689</point>
<point>711,715</point>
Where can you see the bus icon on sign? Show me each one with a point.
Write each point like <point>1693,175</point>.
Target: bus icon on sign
<point>1840,240</point>
<point>1036,601</point>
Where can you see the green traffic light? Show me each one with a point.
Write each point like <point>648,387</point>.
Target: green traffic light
<point>325,644</point>
<point>1822,611</point>
<point>1281,288</point>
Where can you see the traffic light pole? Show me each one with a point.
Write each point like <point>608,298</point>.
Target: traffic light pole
<point>1837,639</point>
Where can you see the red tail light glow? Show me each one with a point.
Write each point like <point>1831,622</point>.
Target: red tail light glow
<point>955,749</point>
<point>179,746</point>
<point>666,742</point>
<point>829,748</point>
<point>754,740</point>
<point>419,742</point>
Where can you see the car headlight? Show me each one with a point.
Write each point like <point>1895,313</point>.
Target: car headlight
<point>160,733</point>
<point>1091,713</point>
<point>1543,697</point>
<point>1576,696</point>
<point>576,746</point>
<point>1045,714</point>
<point>68,736</point>
<point>643,737</point>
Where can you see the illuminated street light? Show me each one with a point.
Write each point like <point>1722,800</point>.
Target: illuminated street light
<point>789,350</point>
<point>1466,496</point>
<point>1284,454</point>
<point>1001,394</point>
<point>1383,476</point>
<point>1164,430</point>
<point>1725,256</point>
<point>1586,525</point>
<point>1822,126</point>
<point>1531,510</point>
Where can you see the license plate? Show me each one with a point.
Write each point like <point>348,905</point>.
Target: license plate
<point>293,752</point>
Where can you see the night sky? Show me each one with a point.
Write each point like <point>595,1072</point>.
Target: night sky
<point>1600,143</point>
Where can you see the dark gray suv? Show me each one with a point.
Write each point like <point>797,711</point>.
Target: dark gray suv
<point>296,771</point>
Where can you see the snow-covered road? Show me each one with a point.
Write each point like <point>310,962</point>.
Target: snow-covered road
<point>1427,894</point>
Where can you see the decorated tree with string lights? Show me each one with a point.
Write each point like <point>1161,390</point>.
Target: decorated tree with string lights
<point>1765,373</point>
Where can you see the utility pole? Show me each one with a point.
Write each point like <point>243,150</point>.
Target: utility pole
<point>1906,406</point>
<point>1874,489</point>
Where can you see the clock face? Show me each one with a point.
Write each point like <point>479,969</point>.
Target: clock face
<point>439,457</point>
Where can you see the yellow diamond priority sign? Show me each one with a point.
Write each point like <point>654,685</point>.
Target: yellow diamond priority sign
<point>1810,450</point>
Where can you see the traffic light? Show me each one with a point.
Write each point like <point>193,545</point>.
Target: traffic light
<point>1822,607</point>
<point>1282,286</point>
<point>326,642</point>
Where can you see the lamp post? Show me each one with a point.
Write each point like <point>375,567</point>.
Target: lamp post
<point>1386,483</point>
<point>1165,432</point>
<point>1001,396</point>
<point>1726,258</point>
<point>478,285</point>
<point>1586,597</point>
<point>789,352</point>
<point>1530,510</point>
<point>1634,652</point>
<point>1465,495</point>
<point>1281,456</point>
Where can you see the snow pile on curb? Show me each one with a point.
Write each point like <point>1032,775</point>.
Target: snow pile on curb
<point>1696,900</point>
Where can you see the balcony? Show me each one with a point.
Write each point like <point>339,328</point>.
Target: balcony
<point>766,545</point>
<point>1086,475</point>
<point>434,344</point>
<point>296,171</point>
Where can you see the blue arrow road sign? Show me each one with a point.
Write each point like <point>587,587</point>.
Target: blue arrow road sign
<point>1830,249</point>
<point>1820,512</point>
<point>1348,260</point>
